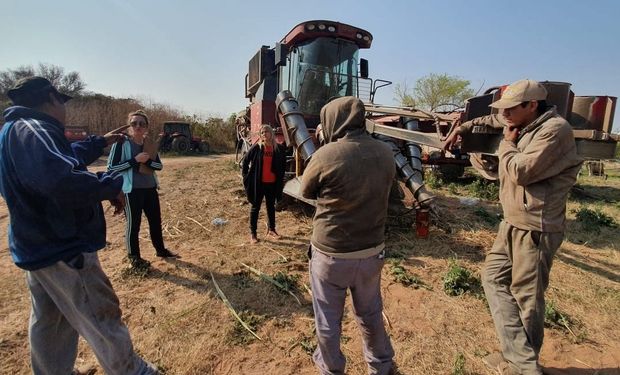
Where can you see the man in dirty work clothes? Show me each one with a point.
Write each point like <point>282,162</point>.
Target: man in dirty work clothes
<point>538,164</point>
<point>56,227</point>
<point>350,178</point>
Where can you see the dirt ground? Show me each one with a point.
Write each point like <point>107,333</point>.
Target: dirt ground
<point>178,321</point>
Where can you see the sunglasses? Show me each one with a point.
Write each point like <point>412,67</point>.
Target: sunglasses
<point>141,124</point>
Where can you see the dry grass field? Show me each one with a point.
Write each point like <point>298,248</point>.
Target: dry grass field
<point>178,321</point>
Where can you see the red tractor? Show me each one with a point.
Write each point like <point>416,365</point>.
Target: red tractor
<point>177,137</point>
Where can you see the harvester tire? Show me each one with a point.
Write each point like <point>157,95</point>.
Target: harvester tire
<point>180,145</point>
<point>204,148</point>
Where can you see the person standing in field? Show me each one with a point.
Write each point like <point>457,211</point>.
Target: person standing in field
<point>538,165</point>
<point>140,189</point>
<point>350,177</point>
<point>263,177</point>
<point>57,225</point>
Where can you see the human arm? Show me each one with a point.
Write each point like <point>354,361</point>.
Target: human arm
<point>545,156</point>
<point>46,165</point>
<point>490,121</point>
<point>311,178</point>
<point>153,164</point>
<point>114,160</point>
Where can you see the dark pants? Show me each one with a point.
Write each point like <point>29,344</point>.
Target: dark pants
<point>146,200</point>
<point>269,192</point>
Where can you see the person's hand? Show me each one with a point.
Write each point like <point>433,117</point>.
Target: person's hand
<point>511,133</point>
<point>118,203</point>
<point>452,139</point>
<point>142,157</point>
<point>114,137</point>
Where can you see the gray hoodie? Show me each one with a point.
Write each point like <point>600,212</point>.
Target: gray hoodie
<point>350,177</point>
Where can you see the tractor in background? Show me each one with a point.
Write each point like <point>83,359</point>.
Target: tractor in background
<point>177,137</point>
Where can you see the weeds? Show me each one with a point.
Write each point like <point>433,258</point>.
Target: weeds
<point>484,189</point>
<point>289,282</point>
<point>459,365</point>
<point>308,345</point>
<point>460,280</point>
<point>238,335</point>
<point>593,220</point>
<point>432,180</point>
<point>401,275</point>
<point>486,216</point>
<point>453,188</point>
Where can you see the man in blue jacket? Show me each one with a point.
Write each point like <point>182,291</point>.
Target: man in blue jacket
<point>56,227</point>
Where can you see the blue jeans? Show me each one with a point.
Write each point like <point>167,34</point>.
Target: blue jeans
<point>330,278</point>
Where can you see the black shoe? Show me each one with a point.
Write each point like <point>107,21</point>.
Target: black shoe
<point>167,254</point>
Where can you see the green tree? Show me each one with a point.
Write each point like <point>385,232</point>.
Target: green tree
<point>436,92</point>
<point>403,96</point>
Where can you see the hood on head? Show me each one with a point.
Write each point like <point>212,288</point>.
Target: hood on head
<point>341,116</point>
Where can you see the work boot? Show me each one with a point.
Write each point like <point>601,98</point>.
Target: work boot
<point>505,368</point>
<point>165,253</point>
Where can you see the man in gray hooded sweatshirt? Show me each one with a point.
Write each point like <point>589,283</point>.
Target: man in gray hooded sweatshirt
<point>350,178</point>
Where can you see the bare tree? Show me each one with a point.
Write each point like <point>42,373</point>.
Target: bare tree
<point>68,83</point>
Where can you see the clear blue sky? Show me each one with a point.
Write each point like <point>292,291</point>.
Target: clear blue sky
<point>193,54</point>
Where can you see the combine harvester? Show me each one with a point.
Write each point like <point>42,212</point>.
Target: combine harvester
<point>287,86</point>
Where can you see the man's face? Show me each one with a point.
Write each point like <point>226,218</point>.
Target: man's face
<point>520,116</point>
<point>57,108</point>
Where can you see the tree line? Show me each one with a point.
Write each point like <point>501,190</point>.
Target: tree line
<point>101,113</point>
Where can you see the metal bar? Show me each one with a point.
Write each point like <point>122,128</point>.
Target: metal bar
<point>404,134</point>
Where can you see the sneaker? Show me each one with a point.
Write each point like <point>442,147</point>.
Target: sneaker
<point>493,361</point>
<point>167,254</point>
<point>253,239</point>
<point>273,233</point>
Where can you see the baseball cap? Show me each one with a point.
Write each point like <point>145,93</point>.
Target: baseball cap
<point>29,86</point>
<point>519,92</point>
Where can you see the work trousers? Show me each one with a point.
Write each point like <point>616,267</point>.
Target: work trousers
<point>76,298</point>
<point>146,200</point>
<point>330,278</point>
<point>515,278</point>
<point>269,192</point>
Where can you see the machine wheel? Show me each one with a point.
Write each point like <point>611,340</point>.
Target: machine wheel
<point>180,145</point>
<point>203,147</point>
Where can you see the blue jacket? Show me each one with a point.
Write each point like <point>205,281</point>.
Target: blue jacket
<point>54,202</point>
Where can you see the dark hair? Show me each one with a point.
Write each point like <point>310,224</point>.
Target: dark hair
<point>540,109</point>
<point>35,99</point>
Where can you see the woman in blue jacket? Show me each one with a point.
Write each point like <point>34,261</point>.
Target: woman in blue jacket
<point>140,189</point>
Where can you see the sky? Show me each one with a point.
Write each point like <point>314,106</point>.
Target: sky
<point>193,54</point>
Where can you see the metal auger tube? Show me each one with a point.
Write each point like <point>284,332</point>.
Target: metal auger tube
<point>412,179</point>
<point>296,126</point>
<point>414,153</point>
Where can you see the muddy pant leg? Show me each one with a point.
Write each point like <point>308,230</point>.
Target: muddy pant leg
<point>83,294</point>
<point>270,202</point>
<point>133,214</point>
<point>328,279</point>
<point>258,201</point>
<point>532,258</point>
<point>152,211</point>
<point>368,306</point>
<point>53,341</point>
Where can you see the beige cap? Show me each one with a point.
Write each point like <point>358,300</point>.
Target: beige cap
<point>519,92</point>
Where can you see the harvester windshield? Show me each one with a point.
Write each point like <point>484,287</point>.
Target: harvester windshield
<point>319,70</point>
